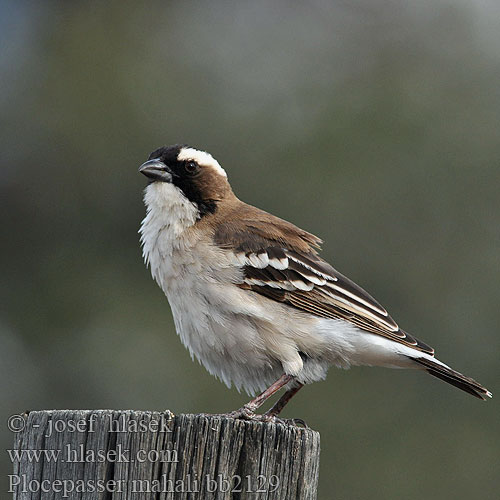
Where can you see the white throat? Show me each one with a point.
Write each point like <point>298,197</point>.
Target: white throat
<point>169,214</point>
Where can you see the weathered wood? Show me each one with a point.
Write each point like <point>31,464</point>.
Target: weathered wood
<point>142,455</point>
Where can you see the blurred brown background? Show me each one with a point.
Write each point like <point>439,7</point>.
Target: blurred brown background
<point>374,124</point>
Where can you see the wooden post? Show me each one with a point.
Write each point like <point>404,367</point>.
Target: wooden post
<point>143,455</point>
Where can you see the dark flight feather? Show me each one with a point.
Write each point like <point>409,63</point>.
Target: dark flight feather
<point>455,378</point>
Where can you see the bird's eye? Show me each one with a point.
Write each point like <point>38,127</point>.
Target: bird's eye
<point>191,167</point>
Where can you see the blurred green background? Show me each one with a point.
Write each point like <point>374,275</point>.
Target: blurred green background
<point>373,124</point>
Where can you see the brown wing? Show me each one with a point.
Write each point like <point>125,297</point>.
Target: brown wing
<point>279,261</point>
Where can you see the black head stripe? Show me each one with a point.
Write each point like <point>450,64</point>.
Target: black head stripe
<point>180,178</point>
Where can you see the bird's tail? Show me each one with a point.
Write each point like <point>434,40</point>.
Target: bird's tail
<point>444,372</point>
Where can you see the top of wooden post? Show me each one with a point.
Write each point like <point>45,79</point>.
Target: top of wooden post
<point>134,454</point>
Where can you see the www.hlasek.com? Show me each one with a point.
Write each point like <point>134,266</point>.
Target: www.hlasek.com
<point>189,484</point>
<point>81,454</point>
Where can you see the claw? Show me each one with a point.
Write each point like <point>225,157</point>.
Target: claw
<point>295,422</point>
<point>246,414</point>
<point>298,422</point>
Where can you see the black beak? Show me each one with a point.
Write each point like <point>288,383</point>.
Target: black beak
<point>156,170</point>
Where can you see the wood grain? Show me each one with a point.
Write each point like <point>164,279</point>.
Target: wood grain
<point>141,455</point>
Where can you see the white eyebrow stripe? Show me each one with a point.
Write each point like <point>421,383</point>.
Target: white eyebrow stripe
<point>202,158</point>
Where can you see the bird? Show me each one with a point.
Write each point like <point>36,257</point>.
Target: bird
<point>251,298</point>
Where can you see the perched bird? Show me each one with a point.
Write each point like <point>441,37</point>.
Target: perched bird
<point>251,298</point>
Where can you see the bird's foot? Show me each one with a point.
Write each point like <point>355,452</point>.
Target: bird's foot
<point>292,422</point>
<point>245,413</point>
